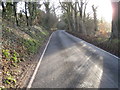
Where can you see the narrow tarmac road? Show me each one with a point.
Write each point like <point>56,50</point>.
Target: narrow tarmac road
<point>70,62</point>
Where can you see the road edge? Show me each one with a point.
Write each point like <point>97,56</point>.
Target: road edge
<point>97,47</point>
<point>39,62</point>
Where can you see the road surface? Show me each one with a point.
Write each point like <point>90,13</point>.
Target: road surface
<point>70,62</point>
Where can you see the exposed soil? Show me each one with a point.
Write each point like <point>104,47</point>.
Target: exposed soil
<point>26,68</point>
<point>29,67</point>
<point>21,50</point>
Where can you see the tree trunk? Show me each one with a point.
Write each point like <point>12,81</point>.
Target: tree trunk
<point>115,33</point>
<point>95,19</point>
<point>82,28</point>
<point>75,12</point>
<point>68,19</point>
<point>119,20</point>
<point>26,14</point>
<point>47,20</point>
<point>84,16</point>
<point>15,14</point>
<point>3,10</point>
<point>30,8</point>
<point>81,9</point>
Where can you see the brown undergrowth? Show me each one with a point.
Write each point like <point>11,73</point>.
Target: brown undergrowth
<point>111,46</point>
<point>19,47</point>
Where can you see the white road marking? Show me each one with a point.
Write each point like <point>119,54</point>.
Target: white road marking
<point>93,46</point>
<point>36,69</point>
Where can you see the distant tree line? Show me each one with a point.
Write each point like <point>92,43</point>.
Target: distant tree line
<point>76,19</point>
<point>74,16</point>
<point>30,15</point>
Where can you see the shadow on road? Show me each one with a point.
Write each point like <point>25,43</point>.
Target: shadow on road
<point>84,65</point>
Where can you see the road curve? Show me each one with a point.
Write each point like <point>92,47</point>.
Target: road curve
<point>70,62</point>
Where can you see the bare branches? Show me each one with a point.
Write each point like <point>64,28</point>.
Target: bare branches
<point>95,17</point>
<point>63,5</point>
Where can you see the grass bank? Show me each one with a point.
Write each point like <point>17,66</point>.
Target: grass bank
<point>19,45</point>
<point>111,46</point>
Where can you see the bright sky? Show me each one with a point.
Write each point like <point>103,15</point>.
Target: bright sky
<point>104,8</point>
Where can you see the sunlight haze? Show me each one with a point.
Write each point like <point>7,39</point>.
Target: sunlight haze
<point>104,8</point>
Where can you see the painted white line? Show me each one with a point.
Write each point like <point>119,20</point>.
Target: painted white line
<point>36,69</point>
<point>103,50</point>
<point>94,46</point>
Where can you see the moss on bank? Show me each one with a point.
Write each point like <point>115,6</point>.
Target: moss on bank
<point>19,44</point>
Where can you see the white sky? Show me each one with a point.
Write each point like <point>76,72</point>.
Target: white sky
<point>115,0</point>
<point>104,8</point>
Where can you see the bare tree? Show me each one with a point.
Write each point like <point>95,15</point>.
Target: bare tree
<point>26,14</point>
<point>115,20</point>
<point>75,12</point>
<point>47,8</point>
<point>82,27</point>
<point>84,16</point>
<point>95,18</point>
<point>67,8</point>
<point>3,10</point>
<point>15,13</point>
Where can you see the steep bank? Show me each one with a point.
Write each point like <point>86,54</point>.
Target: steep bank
<point>20,52</point>
<point>103,43</point>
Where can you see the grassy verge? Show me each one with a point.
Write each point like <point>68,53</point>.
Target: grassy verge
<point>111,46</point>
<point>19,45</point>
